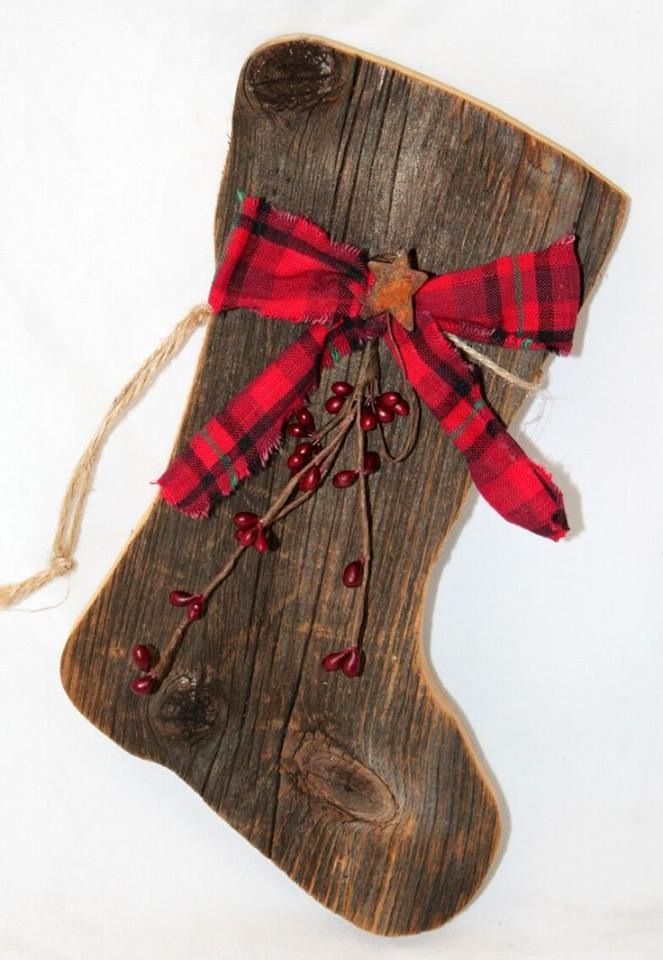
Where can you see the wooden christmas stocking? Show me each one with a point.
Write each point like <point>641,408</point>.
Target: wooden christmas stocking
<point>382,243</point>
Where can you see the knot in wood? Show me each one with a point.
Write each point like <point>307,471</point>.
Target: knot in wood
<point>325,772</point>
<point>189,707</point>
<point>295,75</point>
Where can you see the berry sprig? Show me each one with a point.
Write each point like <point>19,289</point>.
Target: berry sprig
<point>310,463</point>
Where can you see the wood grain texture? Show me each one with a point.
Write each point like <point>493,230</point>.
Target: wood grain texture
<point>366,792</point>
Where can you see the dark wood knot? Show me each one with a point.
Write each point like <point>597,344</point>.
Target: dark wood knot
<point>295,75</point>
<point>189,707</point>
<point>325,772</point>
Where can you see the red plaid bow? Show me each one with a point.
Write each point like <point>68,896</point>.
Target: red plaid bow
<point>285,267</point>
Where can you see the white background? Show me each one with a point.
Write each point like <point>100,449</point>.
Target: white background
<point>114,119</point>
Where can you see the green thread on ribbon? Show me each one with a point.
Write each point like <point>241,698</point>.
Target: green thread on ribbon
<point>335,355</point>
<point>476,406</point>
<point>518,293</point>
<point>527,342</point>
<point>240,195</point>
<point>234,479</point>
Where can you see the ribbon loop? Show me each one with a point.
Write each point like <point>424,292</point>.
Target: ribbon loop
<point>287,268</point>
<point>529,300</point>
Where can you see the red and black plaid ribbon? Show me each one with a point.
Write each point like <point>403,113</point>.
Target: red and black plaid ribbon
<point>287,268</point>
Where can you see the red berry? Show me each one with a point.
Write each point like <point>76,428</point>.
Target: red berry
<point>349,660</point>
<point>244,519</point>
<point>310,480</point>
<point>352,663</point>
<point>384,414</point>
<point>197,608</point>
<point>297,430</point>
<point>334,404</point>
<point>344,478</point>
<point>144,685</point>
<point>141,656</point>
<point>246,537</point>
<point>296,462</point>
<point>261,542</point>
<point>371,462</point>
<point>333,661</point>
<point>341,388</point>
<point>305,417</point>
<point>368,419</point>
<point>402,408</point>
<point>304,450</point>
<point>353,574</point>
<point>180,598</point>
<point>389,399</point>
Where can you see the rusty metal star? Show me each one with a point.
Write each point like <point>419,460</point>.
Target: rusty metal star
<point>396,282</point>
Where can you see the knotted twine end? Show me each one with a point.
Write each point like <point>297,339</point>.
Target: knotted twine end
<point>12,593</point>
<point>80,484</point>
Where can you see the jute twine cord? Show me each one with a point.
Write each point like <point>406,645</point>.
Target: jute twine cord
<point>489,364</point>
<point>70,518</point>
<point>73,505</point>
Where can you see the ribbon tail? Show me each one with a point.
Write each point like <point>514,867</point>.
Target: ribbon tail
<point>519,489</point>
<point>240,439</point>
